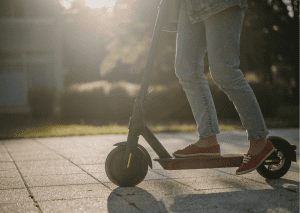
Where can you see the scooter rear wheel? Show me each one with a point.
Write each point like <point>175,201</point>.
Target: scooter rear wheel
<point>126,177</point>
<point>276,171</point>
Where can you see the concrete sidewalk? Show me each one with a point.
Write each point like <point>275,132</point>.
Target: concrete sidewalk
<point>68,175</point>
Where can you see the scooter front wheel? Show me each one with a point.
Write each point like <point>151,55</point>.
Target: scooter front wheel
<point>126,177</point>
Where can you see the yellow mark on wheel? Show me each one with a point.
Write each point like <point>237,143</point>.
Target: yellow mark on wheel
<point>267,161</point>
<point>129,160</point>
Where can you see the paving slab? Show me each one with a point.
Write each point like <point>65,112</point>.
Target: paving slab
<point>290,175</point>
<point>12,173</point>
<point>85,152</point>
<point>95,168</point>
<point>4,157</point>
<point>218,200</point>
<point>99,158</point>
<point>50,193</point>
<point>44,164</point>
<point>147,202</point>
<point>163,187</point>
<point>68,175</point>
<point>199,173</point>
<point>238,201</point>
<point>150,176</point>
<point>58,180</point>
<point>36,157</point>
<point>24,145</point>
<point>113,204</point>
<point>25,153</point>
<point>2,148</point>
<point>221,182</point>
<point>57,170</point>
<point>14,196</point>
<point>11,183</point>
<point>27,207</point>
<point>7,166</point>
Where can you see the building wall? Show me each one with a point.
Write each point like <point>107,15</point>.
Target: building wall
<point>30,55</point>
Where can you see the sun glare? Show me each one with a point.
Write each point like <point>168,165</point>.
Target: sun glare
<point>100,3</point>
<point>66,3</point>
<point>94,4</point>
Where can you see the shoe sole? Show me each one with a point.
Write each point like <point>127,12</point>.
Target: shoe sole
<point>244,172</point>
<point>194,155</point>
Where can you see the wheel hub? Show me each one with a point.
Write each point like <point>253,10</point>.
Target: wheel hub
<point>279,165</point>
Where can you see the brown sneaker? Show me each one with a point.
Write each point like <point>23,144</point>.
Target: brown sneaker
<point>193,150</point>
<point>251,162</point>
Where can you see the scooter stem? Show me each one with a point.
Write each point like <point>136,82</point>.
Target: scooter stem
<point>162,12</point>
<point>136,122</point>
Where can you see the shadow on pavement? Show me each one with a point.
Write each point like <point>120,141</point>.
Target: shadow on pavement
<point>136,197</point>
<point>239,201</point>
<point>279,199</point>
<point>290,185</point>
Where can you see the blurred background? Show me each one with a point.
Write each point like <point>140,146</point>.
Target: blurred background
<point>81,61</point>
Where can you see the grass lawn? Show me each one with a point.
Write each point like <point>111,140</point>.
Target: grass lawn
<point>59,130</point>
<point>54,128</point>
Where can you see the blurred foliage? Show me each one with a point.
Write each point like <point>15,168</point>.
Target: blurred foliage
<point>265,59</point>
<point>101,99</point>
<point>269,43</point>
<point>112,102</point>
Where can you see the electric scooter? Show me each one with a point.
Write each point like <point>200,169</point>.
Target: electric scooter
<point>127,164</point>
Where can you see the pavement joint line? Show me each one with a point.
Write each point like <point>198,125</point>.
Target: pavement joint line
<point>52,174</point>
<point>215,169</point>
<point>35,203</point>
<point>79,198</point>
<point>71,162</point>
<point>10,189</point>
<point>119,195</point>
<point>81,184</point>
<point>178,182</point>
<point>239,176</point>
<point>33,160</point>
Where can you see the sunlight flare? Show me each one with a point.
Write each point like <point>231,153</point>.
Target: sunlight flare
<point>97,4</point>
<point>94,4</point>
<point>66,3</point>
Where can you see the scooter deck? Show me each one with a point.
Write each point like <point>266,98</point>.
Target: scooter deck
<point>221,161</point>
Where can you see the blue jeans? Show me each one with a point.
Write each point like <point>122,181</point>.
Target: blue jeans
<point>219,35</point>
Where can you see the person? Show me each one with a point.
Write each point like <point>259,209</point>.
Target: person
<point>172,16</point>
<point>214,26</point>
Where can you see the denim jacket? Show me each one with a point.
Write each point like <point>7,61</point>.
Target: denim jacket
<point>199,10</point>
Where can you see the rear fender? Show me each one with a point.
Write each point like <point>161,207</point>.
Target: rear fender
<point>282,144</point>
<point>148,158</point>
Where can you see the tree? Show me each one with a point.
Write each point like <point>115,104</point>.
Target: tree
<point>270,41</point>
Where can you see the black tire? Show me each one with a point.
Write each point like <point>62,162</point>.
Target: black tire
<point>125,177</point>
<point>280,169</point>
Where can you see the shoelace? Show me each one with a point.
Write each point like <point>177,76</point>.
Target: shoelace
<point>246,158</point>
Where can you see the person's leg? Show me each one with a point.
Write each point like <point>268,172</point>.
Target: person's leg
<point>223,32</point>
<point>189,67</point>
